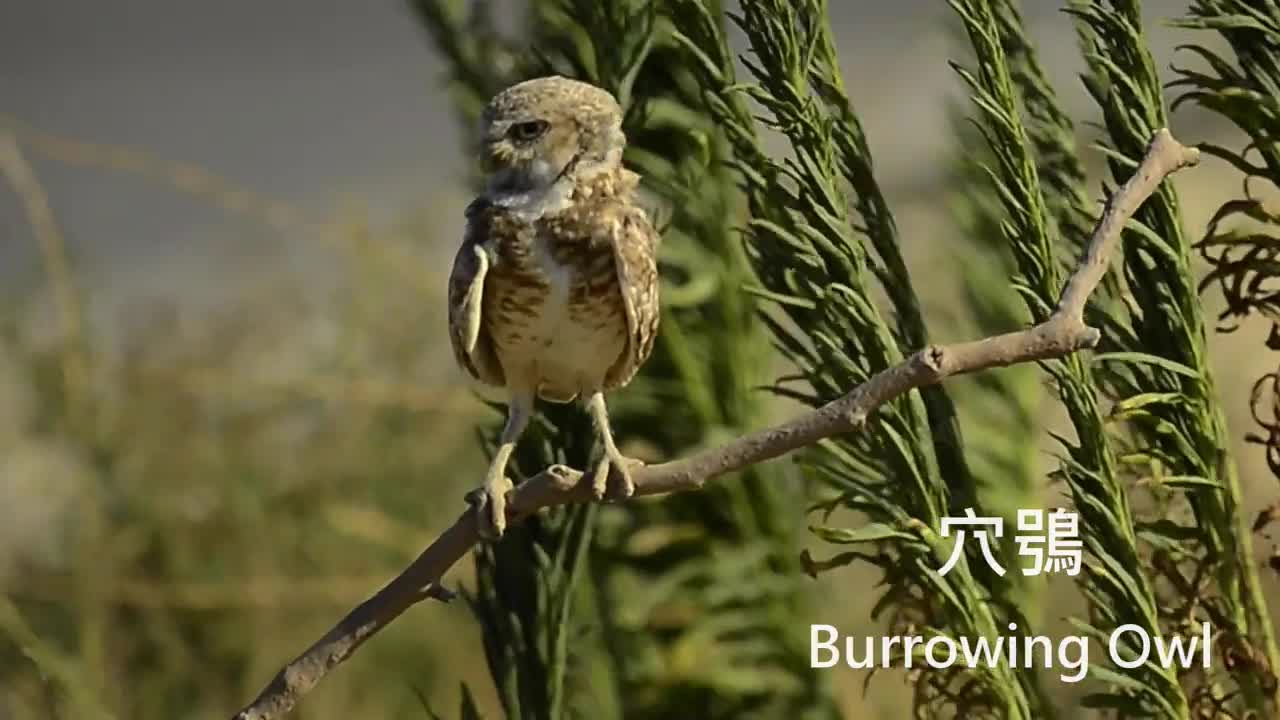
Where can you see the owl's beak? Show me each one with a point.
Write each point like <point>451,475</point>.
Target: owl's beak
<point>495,154</point>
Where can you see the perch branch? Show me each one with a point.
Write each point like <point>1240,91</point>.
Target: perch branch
<point>1063,333</point>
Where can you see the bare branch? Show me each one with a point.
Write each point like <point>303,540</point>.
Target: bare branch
<point>1063,333</point>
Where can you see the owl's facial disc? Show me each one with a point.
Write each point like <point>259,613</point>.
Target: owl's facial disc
<point>527,154</point>
<point>542,137</point>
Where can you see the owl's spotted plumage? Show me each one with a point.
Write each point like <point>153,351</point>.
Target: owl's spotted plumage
<point>554,291</point>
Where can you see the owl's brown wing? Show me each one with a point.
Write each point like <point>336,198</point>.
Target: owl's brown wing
<point>472,346</point>
<point>635,254</point>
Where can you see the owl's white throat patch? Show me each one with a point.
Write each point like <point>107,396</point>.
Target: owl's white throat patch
<point>533,203</point>
<point>530,192</point>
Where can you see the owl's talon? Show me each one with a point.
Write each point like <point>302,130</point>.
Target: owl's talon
<point>612,479</point>
<point>490,502</point>
<point>600,480</point>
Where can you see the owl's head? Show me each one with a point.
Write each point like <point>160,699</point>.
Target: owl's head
<point>540,131</point>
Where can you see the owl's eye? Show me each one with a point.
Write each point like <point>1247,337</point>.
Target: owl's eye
<point>529,130</point>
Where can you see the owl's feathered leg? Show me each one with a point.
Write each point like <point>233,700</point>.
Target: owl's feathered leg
<point>491,498</point>
<point>612,475</point>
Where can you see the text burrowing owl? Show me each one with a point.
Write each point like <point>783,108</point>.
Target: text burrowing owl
<point>554,292</point>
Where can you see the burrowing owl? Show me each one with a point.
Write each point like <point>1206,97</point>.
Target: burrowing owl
<point>554,292</point>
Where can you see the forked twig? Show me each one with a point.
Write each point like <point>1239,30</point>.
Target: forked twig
<point>1063,333</point>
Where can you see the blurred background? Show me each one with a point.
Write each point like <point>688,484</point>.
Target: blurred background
<point>256,204</point>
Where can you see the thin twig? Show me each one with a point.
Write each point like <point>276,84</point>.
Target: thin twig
<point>1063,333</point>
<point>53,254</point>
<point>263,593</point>
<point>348,234</point>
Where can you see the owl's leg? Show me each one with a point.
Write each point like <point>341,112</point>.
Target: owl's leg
<point>491,498</point>
<point>612,475</point>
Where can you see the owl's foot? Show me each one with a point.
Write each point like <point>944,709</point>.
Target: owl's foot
<point>612,477</point>
<point>490,499</point>
<point>490,502</point>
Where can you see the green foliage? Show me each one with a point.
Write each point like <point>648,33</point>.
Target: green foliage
<point>1244,92</point>
<point>1000,409</point>
<point>1242,241</point>
<point>1117,594</point>
<point>1184,437</point>
<point>820,278</point>
<point>527,638</point>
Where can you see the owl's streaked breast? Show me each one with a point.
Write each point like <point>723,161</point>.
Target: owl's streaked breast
<point>553,307</point>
